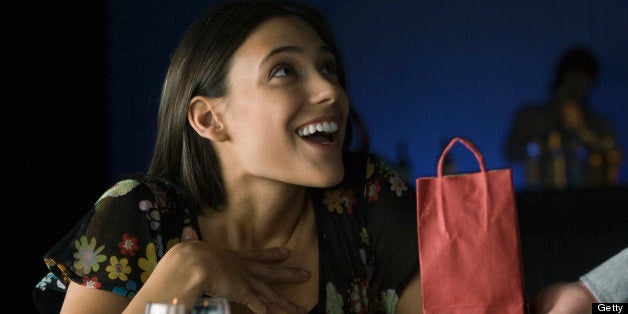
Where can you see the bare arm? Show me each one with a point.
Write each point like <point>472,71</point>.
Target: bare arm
<point>193,268</point>
<point>80,299</point>
<point>410,299</point>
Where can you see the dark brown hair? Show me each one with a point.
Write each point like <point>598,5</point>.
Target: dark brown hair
<point>199,66</point>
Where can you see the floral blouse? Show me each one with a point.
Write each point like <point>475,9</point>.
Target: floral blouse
<point>366,227</point>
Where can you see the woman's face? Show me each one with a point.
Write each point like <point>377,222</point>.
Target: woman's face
<point>285,112</point>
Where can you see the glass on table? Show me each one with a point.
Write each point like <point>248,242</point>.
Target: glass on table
<point>164,307</point>
<point>208,305</point>
<point>205,305</point>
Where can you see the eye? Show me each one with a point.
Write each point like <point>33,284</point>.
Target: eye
<point>283,69</point>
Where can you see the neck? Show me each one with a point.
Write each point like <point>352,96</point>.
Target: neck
<point>259,214</point>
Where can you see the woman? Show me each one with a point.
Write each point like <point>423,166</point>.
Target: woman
<point>252,193</point>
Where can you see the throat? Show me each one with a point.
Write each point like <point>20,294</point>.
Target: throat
<point>247,229</point>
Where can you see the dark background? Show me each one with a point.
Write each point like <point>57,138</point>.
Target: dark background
<point>419,72</point>
<point>86,82</point>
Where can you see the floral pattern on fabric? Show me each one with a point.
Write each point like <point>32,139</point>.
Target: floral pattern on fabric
<point>366,227</point>
<point>87,255</point>
<point>119,189</point>
<point>118,269</point>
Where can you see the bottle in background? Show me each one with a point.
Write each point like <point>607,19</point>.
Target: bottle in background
<point>558,163</point>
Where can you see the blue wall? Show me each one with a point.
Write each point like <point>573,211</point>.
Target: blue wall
<point>418,72</point>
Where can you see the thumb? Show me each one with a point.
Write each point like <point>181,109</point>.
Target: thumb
<point>188,234</point>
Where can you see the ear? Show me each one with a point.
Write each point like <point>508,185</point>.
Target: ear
<point>204,118</point>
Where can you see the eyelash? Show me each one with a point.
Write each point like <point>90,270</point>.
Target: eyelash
<point>282,65</point>
<point>329,66</point>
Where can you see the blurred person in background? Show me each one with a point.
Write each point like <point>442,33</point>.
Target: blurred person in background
<point>563,143</point>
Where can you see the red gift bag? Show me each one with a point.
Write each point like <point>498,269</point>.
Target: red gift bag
<point>469,243</point>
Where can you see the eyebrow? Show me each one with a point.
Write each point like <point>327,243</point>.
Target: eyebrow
<point>292,49</point>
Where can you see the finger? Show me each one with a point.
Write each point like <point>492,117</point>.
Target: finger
<point>275,273</point>
<point>255,304</point>
<point>271,297</point>
<point>267,255</point>
<point>244,294</point>
<point>188,234</point>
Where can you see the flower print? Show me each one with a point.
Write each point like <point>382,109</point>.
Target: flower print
<point>145,205</point>
<point>91,282</point>
<point>385,168</point>
<point>160,196</point>
<point>118,268</point>
<point>128,245</point>
<point>119,189</point>
<point>155,219</point>
<point>372,190</point>
<point>159,246</point>
<point>43,283</point>
<point>187,220</point>
<point>87,257</point>
<point>362,253</point>
<point>334,300</point>
<point>364,294</point>
<point>152,213</point>
<point>397,184</point>
<point>358,297</point>
<point>172,242</point>
<point>60,284</point>
<point>389,300</point>
<point>364,235</point>
<point>333,201</point>
<point>370,169</point>
<point>347,199</point>
<point>130,290</point>
<point>148,264</point>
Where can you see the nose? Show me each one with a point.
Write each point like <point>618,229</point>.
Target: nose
<point>323,89</point>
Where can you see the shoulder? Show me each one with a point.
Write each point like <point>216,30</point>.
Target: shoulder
<point>138,193</point>
<point>148,206</point>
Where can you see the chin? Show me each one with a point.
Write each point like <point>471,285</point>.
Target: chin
<point>330,178</point>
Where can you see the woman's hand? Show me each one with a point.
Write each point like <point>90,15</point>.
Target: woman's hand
<point>195,267</point>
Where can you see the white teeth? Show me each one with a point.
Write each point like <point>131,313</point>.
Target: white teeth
<point>328,127</point>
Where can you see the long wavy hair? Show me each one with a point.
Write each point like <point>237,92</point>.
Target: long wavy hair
<point>199,66</point>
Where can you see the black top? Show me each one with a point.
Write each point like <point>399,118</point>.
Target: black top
<point>366,227</point>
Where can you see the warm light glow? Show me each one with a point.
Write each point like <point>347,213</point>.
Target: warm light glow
<point>174,301</point>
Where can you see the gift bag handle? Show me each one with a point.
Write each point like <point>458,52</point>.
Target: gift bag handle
<point>469,145</point>
<point>480,160</point>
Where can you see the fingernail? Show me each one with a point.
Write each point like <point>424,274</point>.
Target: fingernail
<point>304,273</point>
<point>283,251</point>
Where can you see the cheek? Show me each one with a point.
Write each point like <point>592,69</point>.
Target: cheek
<point>260,125</point>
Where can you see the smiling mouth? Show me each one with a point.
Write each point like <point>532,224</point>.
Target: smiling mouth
<point>319,132</point>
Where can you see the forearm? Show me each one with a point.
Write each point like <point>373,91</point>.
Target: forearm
<point>155,290</point>
<point>176,277</point>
